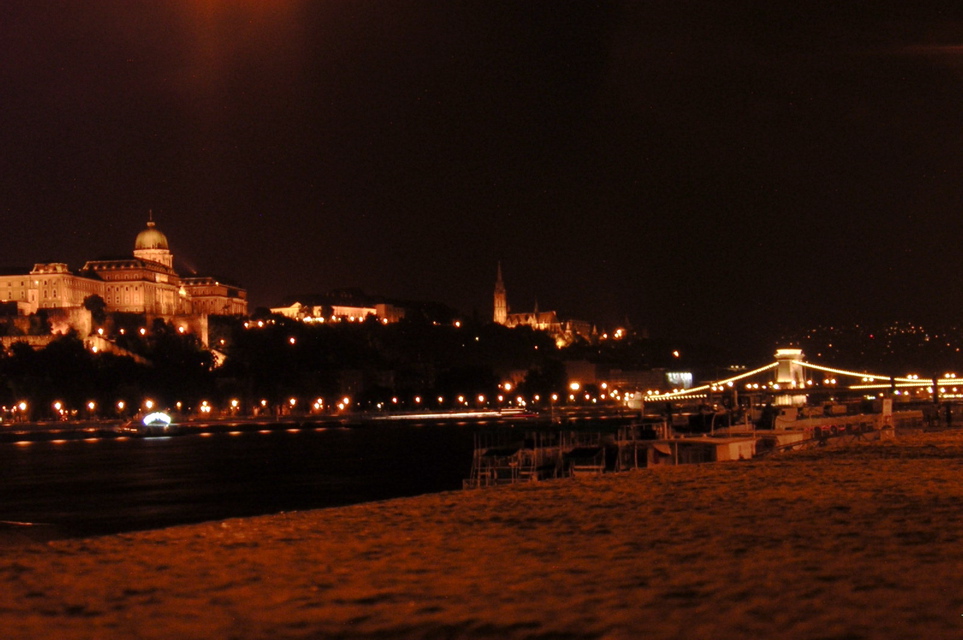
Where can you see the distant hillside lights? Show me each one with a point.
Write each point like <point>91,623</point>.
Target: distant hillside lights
<point>503,399</point>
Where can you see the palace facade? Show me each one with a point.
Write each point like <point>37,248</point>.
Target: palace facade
<point>145,283</point>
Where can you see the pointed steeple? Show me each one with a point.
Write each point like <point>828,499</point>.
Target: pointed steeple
<point>501,298</point>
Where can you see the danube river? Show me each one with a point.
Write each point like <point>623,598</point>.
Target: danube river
<point>78,483</point>
<point>95,486</point>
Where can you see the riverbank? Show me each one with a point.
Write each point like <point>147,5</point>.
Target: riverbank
<point>859,541</point>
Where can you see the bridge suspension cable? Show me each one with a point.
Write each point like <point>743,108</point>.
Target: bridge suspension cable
<point>869,381</point>
<point>841,372</point>
<point>874,377</point>
<point>684,393</point>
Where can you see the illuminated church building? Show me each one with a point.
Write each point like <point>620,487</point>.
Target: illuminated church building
<point>145,283</point>
<point>563,332</point>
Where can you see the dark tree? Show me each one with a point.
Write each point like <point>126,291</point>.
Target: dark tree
<point>97,308</point>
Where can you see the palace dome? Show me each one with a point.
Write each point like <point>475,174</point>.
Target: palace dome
<point>150,238</point>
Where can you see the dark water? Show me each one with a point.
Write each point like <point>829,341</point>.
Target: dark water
<point>81,488</point>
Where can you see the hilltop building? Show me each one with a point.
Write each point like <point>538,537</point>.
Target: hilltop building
<point>348,305</point>
<point>564,332</point>
<point>145,283</point>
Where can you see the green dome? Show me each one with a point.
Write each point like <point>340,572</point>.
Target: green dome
<point>150,238</point>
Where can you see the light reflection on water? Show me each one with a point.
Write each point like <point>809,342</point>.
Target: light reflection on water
<point>95,486</point>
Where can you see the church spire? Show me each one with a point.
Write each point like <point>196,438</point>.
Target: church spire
<point>501,298</point>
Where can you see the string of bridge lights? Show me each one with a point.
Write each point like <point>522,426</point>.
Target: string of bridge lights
<point>883,381</point>
<point>868,381</point>
<point>720,385</point>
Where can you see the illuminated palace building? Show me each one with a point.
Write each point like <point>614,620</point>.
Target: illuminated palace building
<point>563,332</point>
<point>144,284</point>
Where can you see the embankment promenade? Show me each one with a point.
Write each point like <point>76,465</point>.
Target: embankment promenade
<point>862,540</point>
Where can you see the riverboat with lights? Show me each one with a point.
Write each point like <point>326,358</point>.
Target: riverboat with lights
<point>153,424</point>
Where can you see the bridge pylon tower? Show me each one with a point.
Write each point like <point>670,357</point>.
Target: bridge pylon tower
<point>790,375</point>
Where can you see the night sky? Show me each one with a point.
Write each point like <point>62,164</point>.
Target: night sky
<point>705,169</point>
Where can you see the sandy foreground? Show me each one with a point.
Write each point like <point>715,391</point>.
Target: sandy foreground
<point>857,541</point>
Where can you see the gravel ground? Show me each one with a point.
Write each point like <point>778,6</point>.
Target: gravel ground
<point>857,541</point>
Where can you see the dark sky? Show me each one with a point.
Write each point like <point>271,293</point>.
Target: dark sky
<point>707,169</point>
